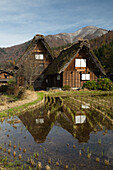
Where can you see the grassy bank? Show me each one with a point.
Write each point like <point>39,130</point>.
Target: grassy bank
<point>19,109</point>
<point>81,92</point>
<point>93,94</point>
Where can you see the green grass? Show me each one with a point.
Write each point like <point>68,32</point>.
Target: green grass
<point>67,93</point>
<point>10,96</point>
<point>19,109</point>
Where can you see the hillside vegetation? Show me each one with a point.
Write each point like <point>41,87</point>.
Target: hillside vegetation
<point>102,47</point>
<point>61,39</point>
<point>105,55</point>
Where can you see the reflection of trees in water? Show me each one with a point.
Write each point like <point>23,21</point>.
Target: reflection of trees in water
<point>40,122</point>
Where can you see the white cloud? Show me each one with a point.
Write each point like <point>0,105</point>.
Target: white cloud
<point>25,18</point>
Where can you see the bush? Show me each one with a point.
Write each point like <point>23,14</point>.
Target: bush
<point>21,93</point>
<point>66,87</point>
<point>11,82</point>
<point>13,90</point>
<point>101,84</point>
<point>3,88</point>
<point>30,87</point>
<point>104,84</point>
<point>91,85</point>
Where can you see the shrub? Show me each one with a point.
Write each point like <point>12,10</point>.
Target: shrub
<point>91,85</point>
<point>104,84</point>
<point>11,82</point>
<point>101,84</point>
<point>13,90</point>
<point>30,87</point>
<point>21,93</point>
<point>10,90</point>
<point>66,87</point>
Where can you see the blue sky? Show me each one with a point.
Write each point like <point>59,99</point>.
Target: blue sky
<point>20,20</point>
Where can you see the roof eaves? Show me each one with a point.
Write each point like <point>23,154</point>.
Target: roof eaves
<point>48,48</point>
<point>67,64</point>
<point>63,60</point>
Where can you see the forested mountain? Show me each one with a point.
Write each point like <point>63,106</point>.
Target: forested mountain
<point>103,49</point>
<point>103,40</point>
<point>61,39</point>
<point>11,54</point>
<point>102,46</point>
<point>105,55</point>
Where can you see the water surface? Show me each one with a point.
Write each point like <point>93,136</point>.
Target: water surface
<point>55,136</point>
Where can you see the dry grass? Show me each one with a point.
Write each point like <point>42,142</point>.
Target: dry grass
<point>29,96</point>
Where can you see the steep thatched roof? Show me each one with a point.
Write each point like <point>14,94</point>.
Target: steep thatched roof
<point>28,52</point>
<point>5,71</point>
<point>67,55</point>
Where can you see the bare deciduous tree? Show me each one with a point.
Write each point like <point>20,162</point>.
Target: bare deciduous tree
<point>30,70</point>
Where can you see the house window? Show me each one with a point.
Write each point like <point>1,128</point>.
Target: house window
<point>39,56</point>
<point>40,121</point>
<point>58,77</point>
<point>80,62</point>
<point>85,76</point>
<point>80,119</point>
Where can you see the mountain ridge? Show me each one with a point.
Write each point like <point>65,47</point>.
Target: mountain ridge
<point>88,32</point>
<point>61,39</point>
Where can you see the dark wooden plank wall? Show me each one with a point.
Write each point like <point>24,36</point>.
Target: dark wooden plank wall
<point>73,79</point>
<point>53,82</point>
<point>39,83</point>
<point>41,65</point>
<point>40,48</point>
<point>72,75</point>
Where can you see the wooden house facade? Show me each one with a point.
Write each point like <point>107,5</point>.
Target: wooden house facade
<point>5,76</point>
<point>34,61</point>
<point>74,66</point>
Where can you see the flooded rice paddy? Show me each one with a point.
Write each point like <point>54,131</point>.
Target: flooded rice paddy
<point>55,137</point>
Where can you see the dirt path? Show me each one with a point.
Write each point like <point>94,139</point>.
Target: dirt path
<point>28,97</point>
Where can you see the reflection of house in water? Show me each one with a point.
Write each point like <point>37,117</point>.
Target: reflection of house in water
<point>85,106</point>
<point>39,124</point>
<point>80,130</point>
<point>40,121</point>
<point>79,119</point>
